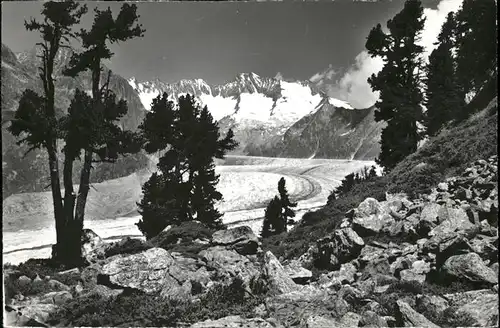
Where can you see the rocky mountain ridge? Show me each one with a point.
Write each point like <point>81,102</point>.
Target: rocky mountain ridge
<point>280,118</point>
<point>438,267</point>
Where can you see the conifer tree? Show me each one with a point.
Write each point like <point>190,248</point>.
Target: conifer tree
<point>398,82</point>
<point>476,41</point>
<point>90,125</point>
<point>35,118</point>
<point>185,187</point>
<point>278,211</point>
<point>272,218</point>
<point>372,173</point>
<point>444,100</point>
<point>286,207</point>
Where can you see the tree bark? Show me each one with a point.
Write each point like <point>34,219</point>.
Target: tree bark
<point>72,231</point>
<point>84,188</point>
<point>56,196</point>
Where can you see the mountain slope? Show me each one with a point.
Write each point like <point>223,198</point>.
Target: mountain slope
<point>276,117</point>
<point>30,173</point>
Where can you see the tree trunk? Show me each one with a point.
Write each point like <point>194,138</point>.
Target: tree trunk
<point>83,189</point>
<point>72,253</point>
<point>56,197</point>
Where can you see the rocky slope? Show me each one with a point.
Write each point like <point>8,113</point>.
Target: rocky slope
<point>20,72</point>
<point>437,266</point>
<point>277,117</point>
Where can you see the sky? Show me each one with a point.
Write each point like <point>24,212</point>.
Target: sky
<point>216,41</point>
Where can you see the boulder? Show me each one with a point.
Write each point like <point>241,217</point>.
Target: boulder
<point>307,259</point>
<point>371,319</point>
<point>483,310</point>
<point>57,285</point>
<point>350,319</point>
<point>411,318</point>
<point>340,247</point>
<point>432,303</point>
<point>242,239</point>
<point>418,272</point>
<point>348,244</point>
<point>227,264</point>
<point>152,271</point>
<point>57,298</point>
<point>370,253</point>
<point>320,321</point>
<point>101,291</point>
<point>234,321</point>
<point>370,217</point>
<point>298,273</point>
<point>23,281</point>
<point>346,274</point>
<point>430,213</point>
<point>469,267</point>
<point>29,315</point>
<point>299,305</point>
<point>457,219</point>
<point>279,281</point>
<point>93,247</point>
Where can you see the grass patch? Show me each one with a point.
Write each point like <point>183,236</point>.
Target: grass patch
<point>128,246</point>
<point>445,155</point>
<point>182,238</point>
<point>137,309</point>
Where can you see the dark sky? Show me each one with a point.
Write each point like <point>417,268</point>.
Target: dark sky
<point>216,41</point>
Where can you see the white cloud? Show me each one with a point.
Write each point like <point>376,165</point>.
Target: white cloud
<point>353,86</point>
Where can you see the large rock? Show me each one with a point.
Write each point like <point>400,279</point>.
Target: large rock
<point>234,321</point>
<point>372,319</point>
<point>469,267</point>
<point>278,279</point>
<point>93,247</point>
<point>228,264</point>
<point>298,273</point>
<point>411,318</point>
<point>348,244</point>
<point>418,272</point>
<point>432,303</point>
<point>57,298</point>
<point>153,271</point>
<point>483,310</point>
<point>370,217</point>
<point>346,274</point>
<point>456,219</point>
<point>28,315</point>
<point>337,248</point>
<point>242,239</point>
<point>462,298</point>
<point>308,301</point>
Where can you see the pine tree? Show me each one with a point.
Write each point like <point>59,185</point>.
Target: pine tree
<point>444,100</point>
<point>91,122</point>
<point>35,118</point>
<point>399,82</point>
<point>272,218</point>
<point>476,46</point>
<point>286,207</point>
<point>372,173</point>
<point>190,138</point>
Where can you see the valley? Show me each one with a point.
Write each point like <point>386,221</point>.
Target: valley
<point>247,184</point>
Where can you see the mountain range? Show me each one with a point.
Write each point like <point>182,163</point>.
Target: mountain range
<point>280,118</point>
<point>271,116</point>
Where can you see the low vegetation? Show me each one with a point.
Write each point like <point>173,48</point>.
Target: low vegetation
<point>137,309</point>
